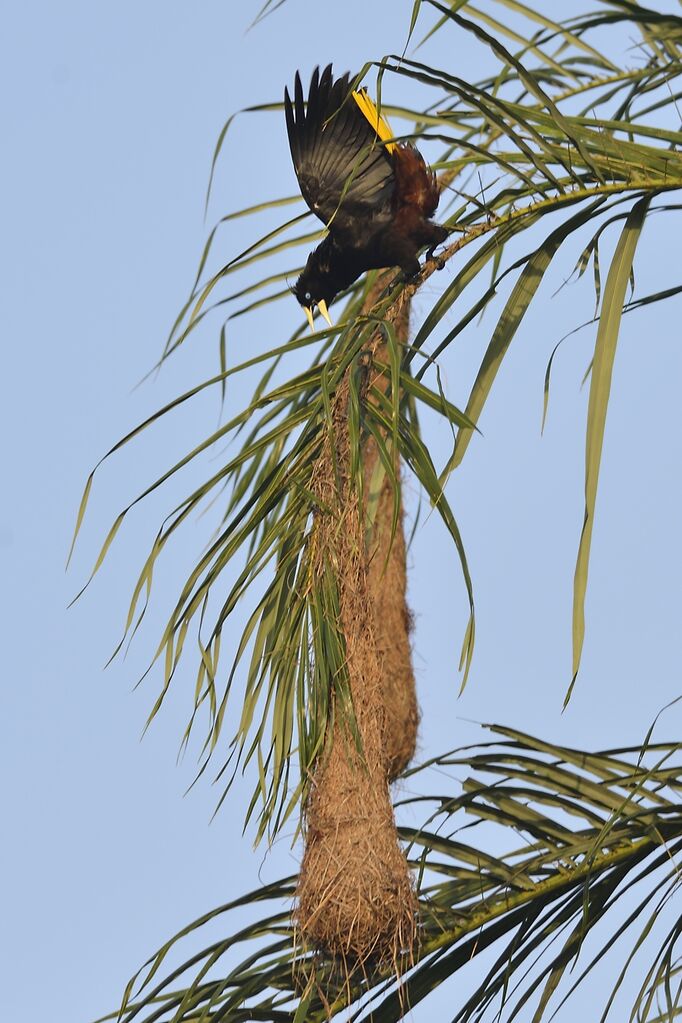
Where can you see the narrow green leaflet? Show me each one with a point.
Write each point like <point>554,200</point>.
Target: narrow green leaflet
<point>600,390</point>
<point>515,309</point>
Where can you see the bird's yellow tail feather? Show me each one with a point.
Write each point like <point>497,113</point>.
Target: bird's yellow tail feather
<point>379,123</point>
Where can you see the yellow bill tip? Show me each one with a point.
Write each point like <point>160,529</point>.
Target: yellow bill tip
<point>322,306</point>
<point>309,316</point>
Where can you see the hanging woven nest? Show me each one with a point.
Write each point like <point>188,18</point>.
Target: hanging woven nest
<point>355,897</point>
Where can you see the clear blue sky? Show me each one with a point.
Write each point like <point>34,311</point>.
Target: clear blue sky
<point>111,113</point>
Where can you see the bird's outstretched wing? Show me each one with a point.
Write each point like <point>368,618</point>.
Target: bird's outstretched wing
<point>344,171</point>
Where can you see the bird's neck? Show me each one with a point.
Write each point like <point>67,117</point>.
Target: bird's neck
<point>342,265</point>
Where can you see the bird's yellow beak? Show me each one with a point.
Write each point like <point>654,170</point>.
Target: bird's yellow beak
<point>322,306</point>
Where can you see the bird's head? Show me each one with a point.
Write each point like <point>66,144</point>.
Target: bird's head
<point>314,288</point>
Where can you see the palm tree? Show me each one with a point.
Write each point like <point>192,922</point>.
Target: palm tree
<point>558,141</point>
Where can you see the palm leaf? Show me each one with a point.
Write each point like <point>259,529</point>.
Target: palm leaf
<point>598,839</point>
<point>564,139</point>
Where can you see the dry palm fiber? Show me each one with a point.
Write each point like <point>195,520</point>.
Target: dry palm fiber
<point>387,584</point>
<point>355,897</point>
<point>392,623</point>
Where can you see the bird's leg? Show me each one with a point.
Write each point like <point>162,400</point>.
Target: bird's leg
<point>409,270</point>
<point>438,235</point>
<point>440,262</point>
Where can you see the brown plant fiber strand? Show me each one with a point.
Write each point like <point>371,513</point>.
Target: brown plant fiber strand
<point>392,622</point>
<point>387,584</point>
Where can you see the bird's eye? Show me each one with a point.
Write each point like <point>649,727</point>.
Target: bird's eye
<point>308,296</point>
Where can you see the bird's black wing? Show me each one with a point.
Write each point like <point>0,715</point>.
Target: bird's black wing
<point>345,174</point>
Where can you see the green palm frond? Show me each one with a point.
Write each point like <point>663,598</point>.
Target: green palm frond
<point>598,838</point>
<point>567,142</point>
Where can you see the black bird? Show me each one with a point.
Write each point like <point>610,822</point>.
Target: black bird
<point>375,196</point>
